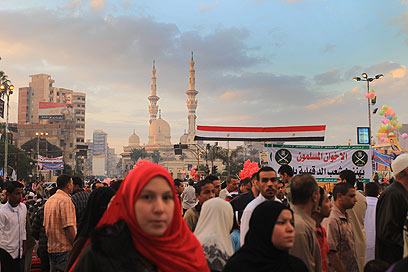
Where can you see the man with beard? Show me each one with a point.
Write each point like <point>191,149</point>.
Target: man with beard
<point>305,198</point>
<point>267,185</point>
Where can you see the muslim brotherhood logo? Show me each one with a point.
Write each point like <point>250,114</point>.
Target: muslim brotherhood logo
<point>283,157</point>
<point>359,158</point>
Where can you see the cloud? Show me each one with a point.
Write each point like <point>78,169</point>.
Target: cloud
<point>110,60</point>
<point>328,48</point>
<point>207,7</point>
<point>330,77</point>
<point>97,5</point>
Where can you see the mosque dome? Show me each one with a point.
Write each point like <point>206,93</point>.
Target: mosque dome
<point>183,138</point>
<point>134,140</point>
<point>159,132</point>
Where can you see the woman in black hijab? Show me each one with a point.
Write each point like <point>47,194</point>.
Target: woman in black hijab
<point>271,234</point>
<point>97,204</point>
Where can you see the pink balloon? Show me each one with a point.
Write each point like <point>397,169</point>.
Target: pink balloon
<point>372,95</point>
<point>382,139</point>
<point>367,95</point>
<point>404,136</point>
<point>386,121</point>
<point>393,113</point>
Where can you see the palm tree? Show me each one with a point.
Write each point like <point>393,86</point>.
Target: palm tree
<point>155,156</point>
<point>138,153</point>
<point>4,78</point>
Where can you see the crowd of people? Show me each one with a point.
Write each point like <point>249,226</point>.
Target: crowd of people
<point>272,221</point>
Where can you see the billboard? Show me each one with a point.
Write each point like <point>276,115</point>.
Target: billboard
<point>56,111</point>
<point>99,145</point>
<point>323,162</point>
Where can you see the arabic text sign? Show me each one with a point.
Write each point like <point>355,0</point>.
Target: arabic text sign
<point>49,160</point>
<point>43,166</point>
<point>323,162</point>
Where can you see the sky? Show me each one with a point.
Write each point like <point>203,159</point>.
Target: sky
<point>258,62</point>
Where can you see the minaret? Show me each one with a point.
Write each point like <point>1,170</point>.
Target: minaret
<point>191,101</point>
<point>153,98</point>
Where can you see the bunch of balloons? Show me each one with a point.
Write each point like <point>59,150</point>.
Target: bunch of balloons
<point>249,169</point>
<point>194,173</point>
<point>370,94</point>
<point>389,126</point>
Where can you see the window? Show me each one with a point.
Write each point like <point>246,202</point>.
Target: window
<point>70,156</point>
<point>57,93</point>
<point>71,145</point>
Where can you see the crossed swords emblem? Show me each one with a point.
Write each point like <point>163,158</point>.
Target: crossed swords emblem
<point>282,156</point>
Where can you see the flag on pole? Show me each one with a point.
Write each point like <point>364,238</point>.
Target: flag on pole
<point>261,134</point>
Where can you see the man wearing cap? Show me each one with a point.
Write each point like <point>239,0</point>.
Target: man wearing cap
<point>391,212</point>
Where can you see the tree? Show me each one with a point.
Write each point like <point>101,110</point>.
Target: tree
<point>138,153</point>
<point>155,156</point>
<point>17,160</point>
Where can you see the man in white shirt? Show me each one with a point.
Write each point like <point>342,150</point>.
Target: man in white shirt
<point>372,190</point>
<point>188,197</point>
<point>232,185</point>
<point>13,229</point>
<point>268,184</point>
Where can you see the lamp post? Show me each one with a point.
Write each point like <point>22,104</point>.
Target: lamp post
<point>368,80</point>
<point>38,134</point>
<point>6,89</point>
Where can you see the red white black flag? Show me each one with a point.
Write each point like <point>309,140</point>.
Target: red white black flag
<point>261,134</point>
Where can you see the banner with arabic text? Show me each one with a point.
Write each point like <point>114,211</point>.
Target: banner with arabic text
<point>50,160</point>
<point>44,166</point>
<point>323,162</point>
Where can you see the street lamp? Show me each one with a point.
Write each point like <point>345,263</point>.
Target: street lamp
<point>6,89</point>
<point>368,79</point>
<point>38,134</point>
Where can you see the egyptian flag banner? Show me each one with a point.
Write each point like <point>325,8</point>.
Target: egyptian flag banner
<point>261,134</point>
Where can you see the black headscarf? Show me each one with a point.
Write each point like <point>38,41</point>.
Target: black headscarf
<point>97,203</point>
<point>258,253</point>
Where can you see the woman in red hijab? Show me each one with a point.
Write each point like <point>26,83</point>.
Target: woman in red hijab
<point>142,229</point>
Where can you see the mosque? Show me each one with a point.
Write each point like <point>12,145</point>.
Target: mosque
<point>160,136</point>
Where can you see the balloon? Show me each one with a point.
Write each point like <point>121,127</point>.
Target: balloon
<point>382,139</point>
<point>377,135</point>
<point>367,95</point>
<point>384,107</point>
<point>388,126</point>
<point>394,118</point>
<point>399,126</point>
<point>371,90</point>
<point>389,117</point>
<point>393,113</point>
<point>381,112</point>
<point>393,123</point>
<point>391,134</point>
<point>389,110</point>
<point>372,95</point>
<point>404,136</point>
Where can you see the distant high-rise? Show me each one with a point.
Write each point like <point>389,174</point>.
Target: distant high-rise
<point>41,89</point>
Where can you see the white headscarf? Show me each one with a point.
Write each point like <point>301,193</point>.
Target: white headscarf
<point>213,231</point>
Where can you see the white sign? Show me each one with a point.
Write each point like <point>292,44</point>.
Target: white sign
<point>50,160</point>
<point>323,162</point>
